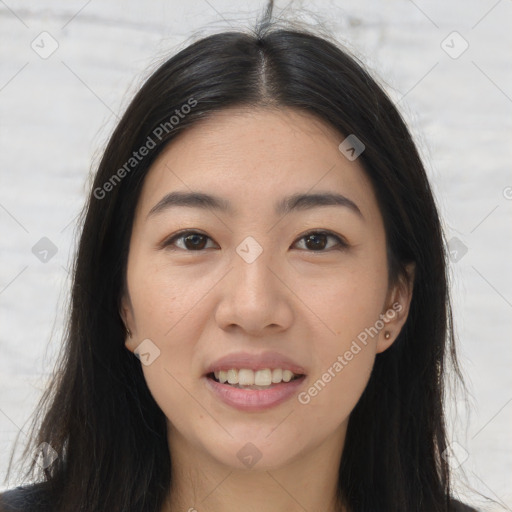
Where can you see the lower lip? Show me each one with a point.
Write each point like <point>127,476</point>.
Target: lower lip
<point>254,399</point>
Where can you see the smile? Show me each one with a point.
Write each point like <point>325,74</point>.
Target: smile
<point>254,397</point>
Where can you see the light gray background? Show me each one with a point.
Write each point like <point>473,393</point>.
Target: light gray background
<point>57,112</point>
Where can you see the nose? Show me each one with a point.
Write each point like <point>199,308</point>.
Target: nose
<point>254,297</point>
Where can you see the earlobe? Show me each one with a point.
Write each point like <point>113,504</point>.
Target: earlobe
<point>397,310</point>
<point>126,315</point>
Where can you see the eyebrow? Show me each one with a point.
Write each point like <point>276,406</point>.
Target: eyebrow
<point>294,202</point>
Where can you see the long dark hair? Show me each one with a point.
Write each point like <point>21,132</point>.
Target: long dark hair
<point>99,416</point>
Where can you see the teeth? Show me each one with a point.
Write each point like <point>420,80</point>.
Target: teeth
<point>233,376</point>
<point>287,375</point>
<point>277,375</point>
<point>247,377</point>
<point>262,378</point>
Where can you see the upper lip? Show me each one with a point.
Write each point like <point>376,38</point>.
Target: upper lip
<point>261,361</point>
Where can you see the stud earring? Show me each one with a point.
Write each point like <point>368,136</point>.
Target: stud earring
<point>387,335</point>
<point>128,332</point>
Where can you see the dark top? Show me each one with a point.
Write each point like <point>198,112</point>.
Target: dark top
<point>33,498</point>
<point>30,498</point>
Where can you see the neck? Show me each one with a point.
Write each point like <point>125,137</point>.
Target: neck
<point>203,484</point>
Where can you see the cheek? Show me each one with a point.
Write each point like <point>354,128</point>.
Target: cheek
<point>345,300</point>
<point>165,296</point>
<point>167,311</point>
<point>344,370</point>
<point>167,385</point>
<point>349,304</point>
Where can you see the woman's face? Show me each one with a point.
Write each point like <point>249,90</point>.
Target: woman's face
<point>260,287</point>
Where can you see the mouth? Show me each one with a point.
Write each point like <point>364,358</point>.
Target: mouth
<point>254,381</point>
<point>254,391</point>
<point>246,378</point>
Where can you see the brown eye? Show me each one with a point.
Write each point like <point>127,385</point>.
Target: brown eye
<point>317,241</point>
<point>190,241</point>
<point>194,241</point>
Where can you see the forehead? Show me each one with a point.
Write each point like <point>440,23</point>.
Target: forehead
<point>252,158</point>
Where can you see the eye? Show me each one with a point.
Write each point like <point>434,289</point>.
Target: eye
<point>191,240</point>
<point>317,241</point>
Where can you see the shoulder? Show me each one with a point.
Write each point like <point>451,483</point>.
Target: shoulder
<point>458,506</point>
<point>36,498</point>
<point>29,498</point>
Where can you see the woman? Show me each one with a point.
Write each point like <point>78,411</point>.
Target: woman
<point>260,316</point>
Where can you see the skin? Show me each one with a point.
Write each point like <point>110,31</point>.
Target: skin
<point>197,306</point>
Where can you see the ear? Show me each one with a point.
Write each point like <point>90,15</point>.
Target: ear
<point>126,313</point>
<point>396,309</point>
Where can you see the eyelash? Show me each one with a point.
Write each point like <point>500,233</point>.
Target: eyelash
<point>341,243</point>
